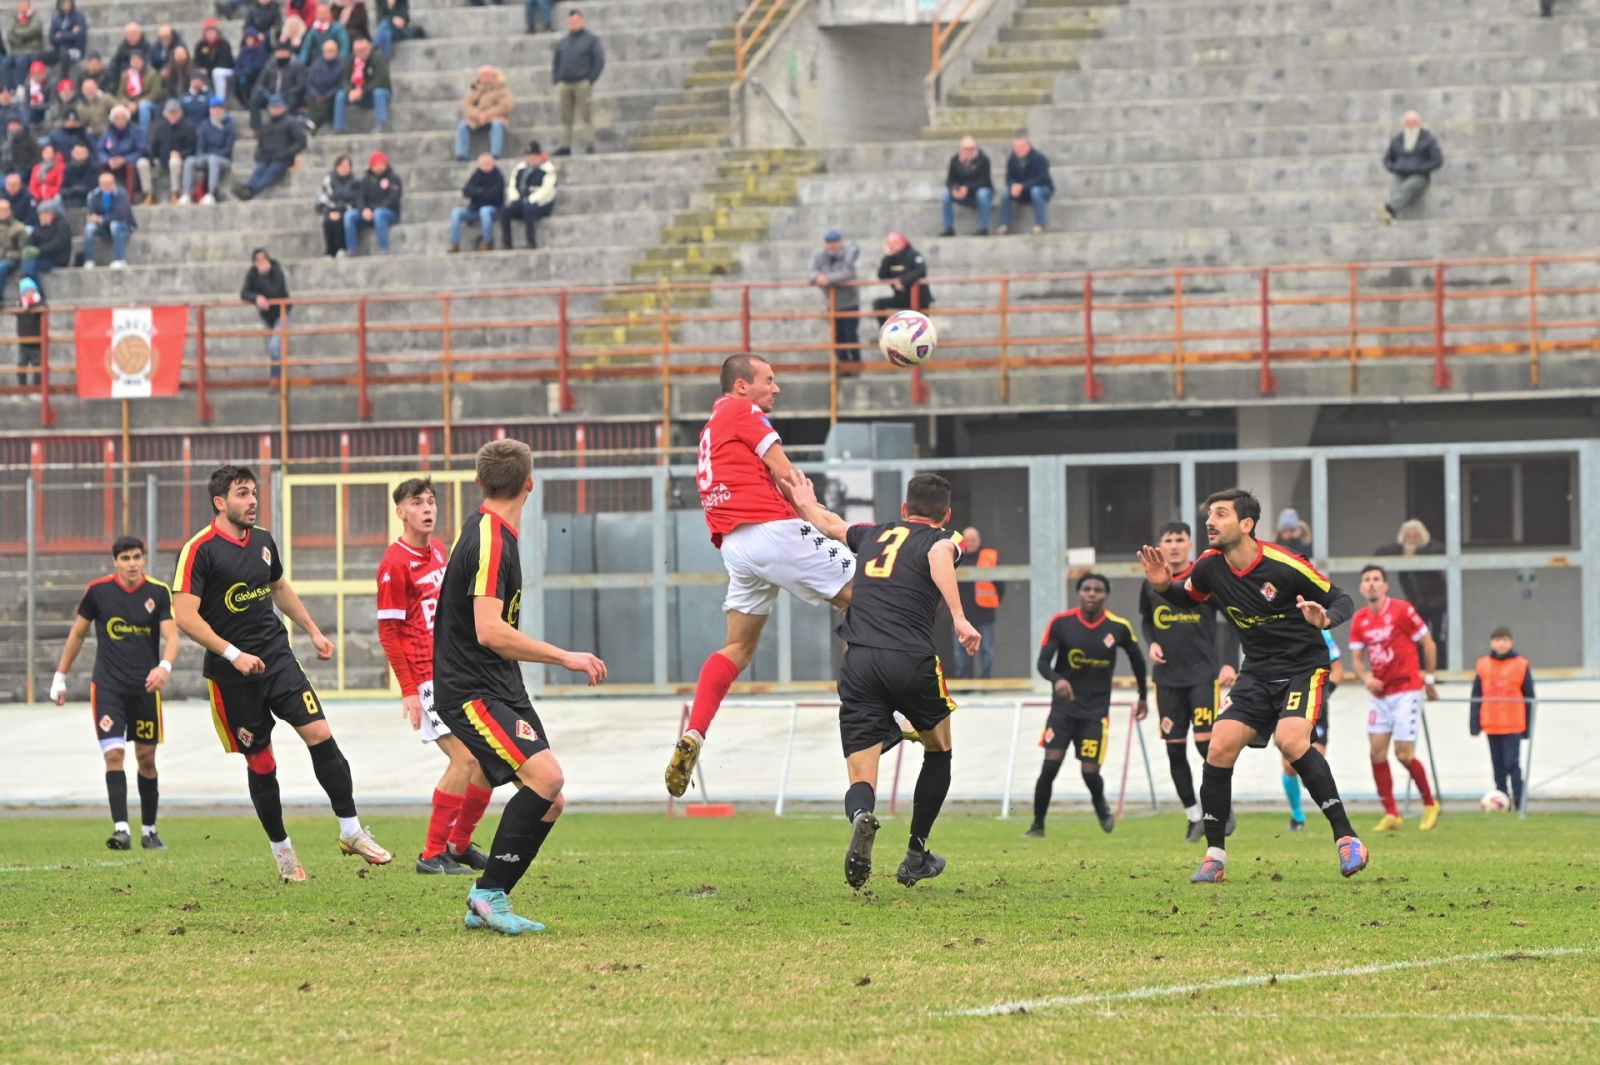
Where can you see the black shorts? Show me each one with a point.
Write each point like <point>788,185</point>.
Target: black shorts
<point>1181,704</point>
<point>1261,704</point>
<point>875,682</point>
<point>243,708</point>
<point>501,736</point>
<point>1088,734</point>
<point>122,714</point>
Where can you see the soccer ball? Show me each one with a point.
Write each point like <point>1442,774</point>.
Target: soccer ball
<point>1495,801</point>
<point>908,339</point>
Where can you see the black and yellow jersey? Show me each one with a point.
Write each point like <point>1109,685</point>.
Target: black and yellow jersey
<point>127,629</point>
<point>1187,636</point>
<point>1085,655</point>
<point>233,579</point>
<point>483,562</point>
<point>893,599</point>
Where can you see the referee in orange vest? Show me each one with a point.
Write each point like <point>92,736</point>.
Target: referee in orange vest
<point>1502,709</point>
<point>980,599</point>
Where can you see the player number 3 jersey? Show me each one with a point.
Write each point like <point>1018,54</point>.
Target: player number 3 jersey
<point>408,593</point>
<point>233,579</point>
<point>894,600</point>
<point>736,486</point>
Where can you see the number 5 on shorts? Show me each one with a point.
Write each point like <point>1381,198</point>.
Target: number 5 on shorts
<point>1293,705</point>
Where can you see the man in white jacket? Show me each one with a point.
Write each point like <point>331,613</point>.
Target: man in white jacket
<point>530,195</point>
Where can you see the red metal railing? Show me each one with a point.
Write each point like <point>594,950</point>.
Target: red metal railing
<point>1178,321</point>
<point>746,40</point>
<point>945,28</point>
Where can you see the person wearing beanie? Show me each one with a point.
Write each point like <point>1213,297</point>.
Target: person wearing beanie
<point>377,206</point>
<point>80,176</point>
<point>30,324</point>
<point>530,195</point>
<point>213,56</point>
<point>213,149</point>
<point>1294,533</point>
<point>282,139</point>
<point>907,273</point>
<point>50,243</point>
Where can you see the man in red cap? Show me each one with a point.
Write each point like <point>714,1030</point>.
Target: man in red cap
<point>377,205</point>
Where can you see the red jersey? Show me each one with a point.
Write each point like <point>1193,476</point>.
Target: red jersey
<point>736,487</point>
<point>1390,641</point>
<point>408,596</point>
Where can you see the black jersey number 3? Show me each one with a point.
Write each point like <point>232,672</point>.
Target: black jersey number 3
<point>883,565</point>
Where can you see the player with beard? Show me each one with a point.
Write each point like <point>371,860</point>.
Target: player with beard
<point>1279,603</point>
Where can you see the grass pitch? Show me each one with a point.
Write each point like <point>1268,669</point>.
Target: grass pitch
<point>738,941</point>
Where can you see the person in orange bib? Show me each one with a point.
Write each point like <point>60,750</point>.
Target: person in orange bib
<point>981,600</point>
<point>1502,709</point>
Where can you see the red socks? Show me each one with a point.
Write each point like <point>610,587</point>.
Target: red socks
<point>1420,775</point>
<point>445,809</point>
<point>716,677</point>
<point>473,804</point>
<point>1385,779</point>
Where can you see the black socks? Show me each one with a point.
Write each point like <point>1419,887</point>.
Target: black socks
<point>517,840</point>
<point>1097,789</point>
<point>1042,790</point>
<point>1216,803</point>
<point>933,784</point>
<point>149,799</point>
<point>861,798</point>
<point>1318,779</point>
<point>333,773</point>
<point>117,793</point>
<point>269,805</point>
<point>1182,778</point>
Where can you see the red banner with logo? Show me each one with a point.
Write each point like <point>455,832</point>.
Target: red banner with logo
<point>130,352</point>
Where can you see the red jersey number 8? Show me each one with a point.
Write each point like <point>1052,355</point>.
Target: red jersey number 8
<point>702,466</point>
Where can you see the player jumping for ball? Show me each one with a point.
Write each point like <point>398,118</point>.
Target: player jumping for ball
<point>903,570</point>
<point>136,642</point>
<point>478,689</point>
<point>1278,601</point>
<point>230,575</point>
<point>742,473</point>
<point>1384,640</point>
<point>408,595</point>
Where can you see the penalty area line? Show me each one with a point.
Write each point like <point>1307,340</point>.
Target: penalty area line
<point>1067,1002</point>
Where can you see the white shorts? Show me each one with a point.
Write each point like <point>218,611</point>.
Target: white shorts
<point>432,726</point>
<point>789,554</point>
<point>1399,715</point>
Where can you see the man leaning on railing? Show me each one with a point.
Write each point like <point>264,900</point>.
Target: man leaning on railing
<point>833,268</point>
<point>267,288</point>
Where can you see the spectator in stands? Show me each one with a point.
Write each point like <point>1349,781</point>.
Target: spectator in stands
<point>1547,8</point>
<point>340,191</point>
<point>832,270</point>
<point>968,183</point>
<point>19,154</point>
<point>80,176</point>
<point>10,106</point>
<point>173,141</point>
<point>1426,590</point>
<point>133,42</point>
<point>68,135</point>
<point>324,79</point>
<point>907,273</point>
<point>530,195</point>
<point>281,140</point>
<point>377,205</point>
<point>167,42</point>
<point>110,214</point>
<point>94,107</point>
<point>139,89</point>
<point>1293,533</point>
<point>266,18</point>
<point>68,35</point>
<point>394,24</point>
<point>282,78</point>
<point>293,33</point>
<point>214,141</point>
<point>91,67</point>
<point>21,200</point>
<point>122,150</point>
<point>178,73</point>
<point>538,16</point>
<point>30,324</point>
<point>579,60</point>
<point>248,65</point>
<point>1412,158</point>
<point>51,242</point>
<point>366,84</point>
<point>352,15</point>
<point>44,181</point>
<point>37,94</point>
<point>214,55</point>
<point>485,191</point>
<point>1027,181</point>
<point>265,286</point>
<point>25,42</point>
<point>13,239</point>
<point>488,103</point>
<point>196,102</point>
<point>304,10</point>
<point>323,28</point>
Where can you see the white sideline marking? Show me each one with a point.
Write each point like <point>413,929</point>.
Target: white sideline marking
<point>1451,1018</point>
<point>1254,981</point>
<point>58,867</point>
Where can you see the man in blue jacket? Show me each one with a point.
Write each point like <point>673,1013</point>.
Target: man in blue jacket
<point>108,211</point>
<point>214,140</point>
<point>1027,181</point>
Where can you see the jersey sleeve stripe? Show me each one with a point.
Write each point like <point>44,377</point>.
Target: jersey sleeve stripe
<point>187,556</point>
<point>766,443</point>
<point>1295,562</point>
<point>488,557</point>
<point>391,615</point>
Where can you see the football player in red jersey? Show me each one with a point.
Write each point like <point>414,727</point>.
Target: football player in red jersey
<point>742,474</point>
<point>408,595</point>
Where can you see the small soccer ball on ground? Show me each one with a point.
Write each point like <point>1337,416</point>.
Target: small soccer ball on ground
<point>1495,802</point>
<point>908,338</point>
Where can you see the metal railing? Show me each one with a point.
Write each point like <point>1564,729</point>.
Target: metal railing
<point>746,41</point>
<point>945,28</point>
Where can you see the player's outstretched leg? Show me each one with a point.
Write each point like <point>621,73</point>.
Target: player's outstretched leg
<point>149,797</point>
<point>333,773</point>
<point>525,824</point>
<point>716,678</point>
<point>933,784</point>
<point>1042,790</point>
<point>859,802</point>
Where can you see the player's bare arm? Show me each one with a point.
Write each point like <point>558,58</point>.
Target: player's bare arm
<point>287,600</point>
<point>803,494</point>
<point>186,611</point>
<point>1363,671</point>
<point>783,472</point>
<point>169,654</point>
<point>942,567</point>
<point>1430,661</point>
<point>69,655</point>
<point>495,633</point>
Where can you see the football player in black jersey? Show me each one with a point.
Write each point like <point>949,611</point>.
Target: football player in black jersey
<point>1279,603</point>
<point>904,569</point>
<point>136,642</point>
<point>1077,656</point>
<point>230,575</point>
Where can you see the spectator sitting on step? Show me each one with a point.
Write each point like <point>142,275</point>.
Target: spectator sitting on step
<point>123,151</point>
<point>138,89</point>
<point>21,200</point>
<point>91,67</point>
<point>25,42</point>
<point>213,149</point>
<point>530,195</point>
<point>68,34</point>
<point>80,176</point>
<point>324,27</point>
<point>1027,181</point>
<point>36,93</point>
<point>1412,158</point>
<point>485,191</point>
<point>94,107</point>
<point>293,34</point>
<point>324,78</point>
<point>833,267</point>
<point>266,18</point>
<point>969,183</point>
<point>44,181</point>
<point>282,138</point>
<point>213,55</point>
<point>110,215</point>
<point>907,273</point>
<point>173,142</point>
<point>579,60</point>
<point>133,41</point>
<point>196,102</point>
<point>10,106</point>
<point>265,286</point>
<point>377,206</point>
<point>394,24</point>
<point>51,241</point>
<point>13,239</point>
<point>248,65</point>
<point>177,74</point>
<point>283,78</point>
<point>488,103</point>
<point>340,191</point>
<point>352,15</point>
<point>20,151</point>
<point>366,84</point>
<point>68,135</point>
<point>162,48</point>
